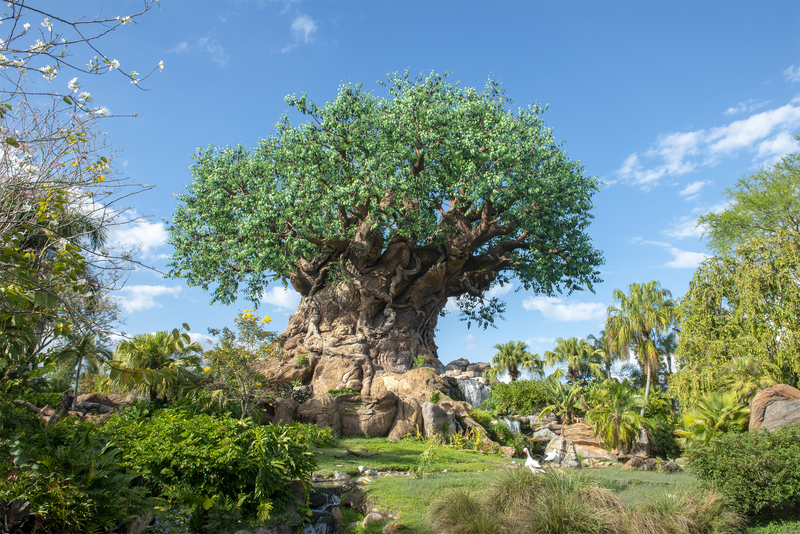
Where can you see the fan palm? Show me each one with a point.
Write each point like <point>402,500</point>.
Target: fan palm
<point>745,375</point>
<point>566,401</point>
<point>581,358</point>
<point>137,361</point>
<point>83,349</point>
<point>512,357</point>
<point>717,412</point>
<point>638,319</point>
<point>615,417</point>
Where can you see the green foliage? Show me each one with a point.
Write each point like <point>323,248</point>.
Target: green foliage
<point>512,357</point>
<point>73,478</point>
<point>343,391</point>
<point>759,206</point>
<point>301,361</point>
<point>714,413</point>
<point>582,359</point>
<point>419,361</point>
<point>703,512</point>
<point>565,401</point>
<point>212,464</point>
<point>523,397</point>
<point>426,462</point>
<point>615,414</point>
<point>435,396</point>
<point>662,433</point>
<point>311,435</point>
<point>429,143</point>
<point>758,471</point>
<point>741,308</point>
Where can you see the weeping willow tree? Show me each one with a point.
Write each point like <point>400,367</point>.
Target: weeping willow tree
<point>377,210</point>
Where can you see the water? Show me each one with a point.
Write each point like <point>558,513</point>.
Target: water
<point>321,506</point>
<point>513,426</point>
<point>473,391</point>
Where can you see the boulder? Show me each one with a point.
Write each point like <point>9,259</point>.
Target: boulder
<point>589,447</point>
<point>767,396</point>
<point>352,415</point>
<point>544,434</point>
<point>285,371</point>
<point>781,413</point>
<point>408,418</point>
<point>97,398</point>
<point>336,373</point>
<point>418,384</point>
<point>457,365</point>
<point>479,367</point>
<point>568,456</point>
<point>437,421</point>
<point>284,411</point>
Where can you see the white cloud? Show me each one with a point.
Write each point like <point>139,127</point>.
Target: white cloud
<point>792,74</point>
<point>685,259</point>
<point>303,27</point>
<point>741,107</point>
<point>691,190</point>
<point>183,46</point>
<point>204,340</point>
<point>471,346</point>
<point>215,50</point>
<point>142,235</point>
<point>498,291</point>
<point>685,227</point>
<point>282,297</point>
<point>540,341</point>
<point>765,135</point>
<point>469,337</point>
<point>143,297</point>
<point>559,310</point>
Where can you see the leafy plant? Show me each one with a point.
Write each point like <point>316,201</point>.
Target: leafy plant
<point>715,413</point>
<point>758,471</point>
<point>523,397</point>
<point>426,462</point>
<point>435,396</point>
<point>301,361</point>
<point>343,391</point>
<point>510,358</point>
<point>616,416</point>
<point>565,401</point>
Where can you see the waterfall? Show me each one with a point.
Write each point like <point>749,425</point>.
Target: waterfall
<point>513,426</point>
<point>322,519</point>
<point>473,391</point>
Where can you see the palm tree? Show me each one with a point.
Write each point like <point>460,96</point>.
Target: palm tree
<point>638,319</point>
<point>716,412</point>
<point>615,416</point>
<point>566,401</point>
<point>581,358</point>
<point>666,346</point>
<point>745,375</point>
<point>602,348</point>
<point>511,357</point>
<point>136,358</point>
<point>83,349</point>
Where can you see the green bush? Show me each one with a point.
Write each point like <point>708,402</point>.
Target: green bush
<point>521,397</point>
<point>662,432</point>
<point>311,435</point>
<point>758,471</point>
<point>218,467</point>
<point>343,391</point>
<point>73,478</point>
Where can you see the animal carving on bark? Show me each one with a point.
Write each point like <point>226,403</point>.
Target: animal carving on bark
<point>379,209</point>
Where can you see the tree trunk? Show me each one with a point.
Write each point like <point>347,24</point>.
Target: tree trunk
<point>77,380</point>
<point>646,390</point>
<point>380,320</point>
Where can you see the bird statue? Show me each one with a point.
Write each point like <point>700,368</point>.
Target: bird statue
<point>551,456</point>
<point>532,464</point>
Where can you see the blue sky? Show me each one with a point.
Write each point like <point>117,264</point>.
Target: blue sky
<point>668,103</point>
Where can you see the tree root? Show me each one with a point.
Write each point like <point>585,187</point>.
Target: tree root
<point>356,454</point>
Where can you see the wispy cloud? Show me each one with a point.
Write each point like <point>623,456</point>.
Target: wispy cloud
<point>741,107</point>
<point>209,45</point>
<point>560,310</point>
<point>682,259</point>
<point>684,227</point>
<point>183,46</point>
<point>692,190</point>
<point>281,297</point>
<point>142,297</point>
<point>304,29</point>
<point>145,236</point>
<point>498,291</point>
<point>203,339</point>
<point>766,135</point>
<point>792,74</point>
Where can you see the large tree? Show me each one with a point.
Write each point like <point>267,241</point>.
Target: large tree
<point>379,209</point>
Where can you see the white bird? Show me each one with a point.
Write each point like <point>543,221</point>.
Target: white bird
<point>552,456</point>
<point>532,464</point>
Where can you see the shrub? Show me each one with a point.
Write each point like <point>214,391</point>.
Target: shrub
<point>458,512</point>
<point>435,396</point>
<point>311,435</point>
<point>214,465</point>
<point>758,471</point>
<point>73,478</point>
<point>521,397</point>
<point>662,433</point>
<point>343,391</point>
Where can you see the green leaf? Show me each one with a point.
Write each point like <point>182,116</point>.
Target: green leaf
<point>13,142</point>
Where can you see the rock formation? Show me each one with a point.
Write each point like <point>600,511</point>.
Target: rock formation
<point>768,396</point>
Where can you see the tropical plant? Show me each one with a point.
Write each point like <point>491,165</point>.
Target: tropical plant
<point>379,209</point>
<point>666,346</point>
<point>637,320</point>
<point>715,413</point>
<point>512,357</point>
<point>157,363</point>
<point>522,397</point>
<point>615,414</point>
<point>746,376</point>
<point>566,401</point>
<point>84,350</point>
<point>582,360</point>
<point>602,349</point>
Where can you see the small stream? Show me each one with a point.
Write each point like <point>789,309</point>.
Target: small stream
<point>323,501</point>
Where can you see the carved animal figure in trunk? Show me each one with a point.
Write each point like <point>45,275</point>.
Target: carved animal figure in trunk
<point>379,209</point>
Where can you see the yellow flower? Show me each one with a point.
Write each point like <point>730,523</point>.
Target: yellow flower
<point>266,319</point>
<point>258,383</point>
<point>206,369</point>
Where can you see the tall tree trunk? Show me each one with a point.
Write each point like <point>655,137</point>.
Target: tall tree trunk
<point>646,389</point>
<point>77,380</point>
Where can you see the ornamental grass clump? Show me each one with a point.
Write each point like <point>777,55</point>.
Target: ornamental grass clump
<point>459,512</point>
<point>704,512</point>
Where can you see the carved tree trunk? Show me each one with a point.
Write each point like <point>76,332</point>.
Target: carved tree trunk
<point>378,313</point>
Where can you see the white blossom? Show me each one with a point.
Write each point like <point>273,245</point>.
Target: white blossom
<point>86,97</point>
<point>101,112</point>
<point>124,20</point>
<point>47,24</point>
<point>160,65</point>
<point>49,72</point>
<point>26,26</point>
<point>113,64</point>
<point>73,84</point>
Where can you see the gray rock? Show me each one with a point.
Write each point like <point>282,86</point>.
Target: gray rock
<point>438,422</point>
<point>371,517</point>
<point>457,365</point>
<point>781,413</point>
<point>568,456</point>
<point>544,434</point>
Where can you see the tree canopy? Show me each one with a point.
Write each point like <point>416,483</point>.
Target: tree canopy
<point>432,173</point>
